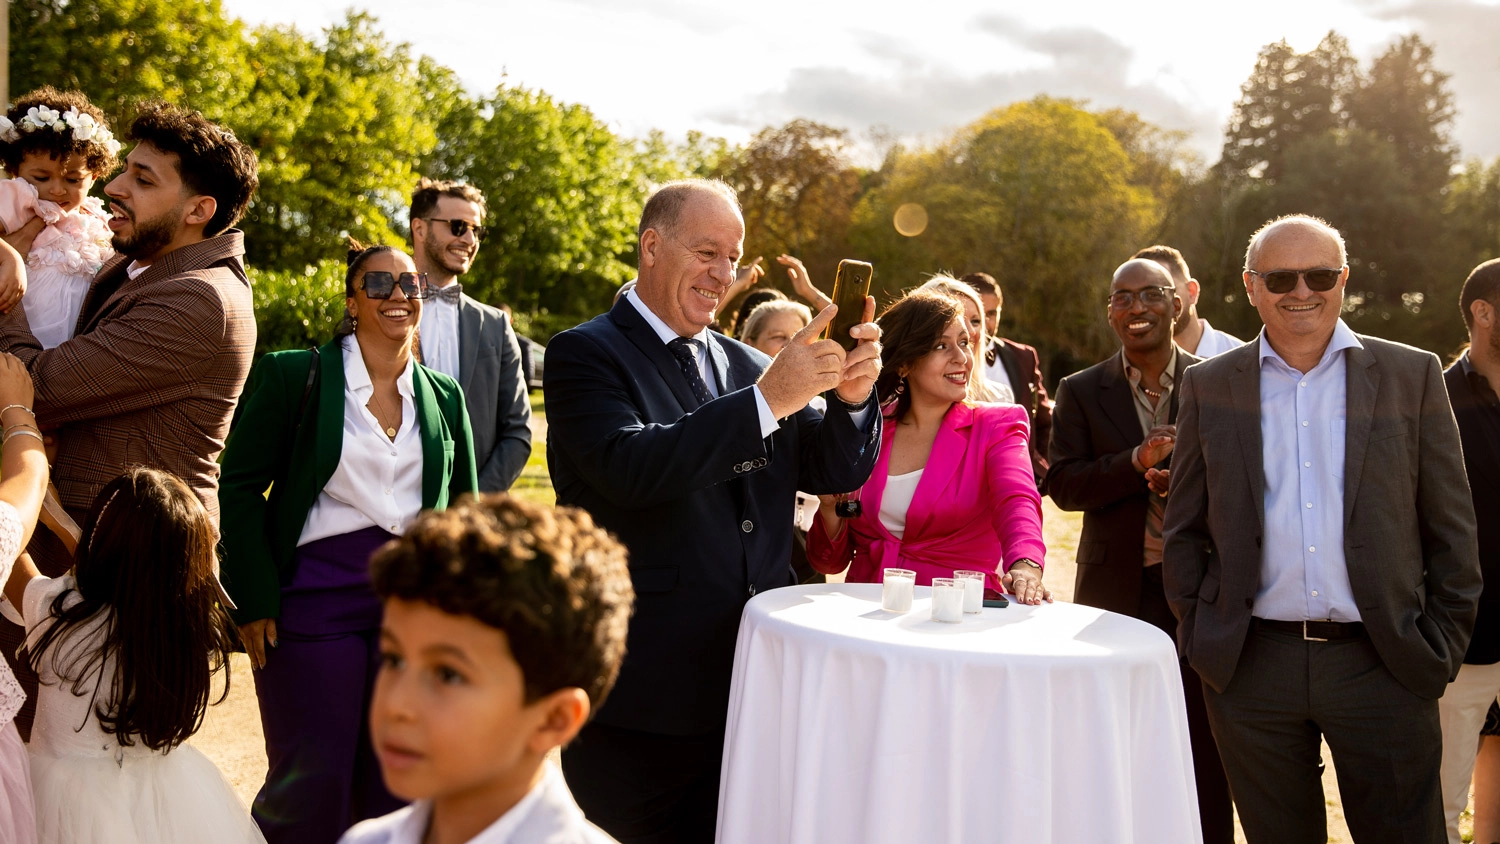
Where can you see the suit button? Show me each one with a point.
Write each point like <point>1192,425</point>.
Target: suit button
<point>747,526</point>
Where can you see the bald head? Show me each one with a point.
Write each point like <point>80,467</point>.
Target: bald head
<point>1143,270</point>
<point>1305,232</point>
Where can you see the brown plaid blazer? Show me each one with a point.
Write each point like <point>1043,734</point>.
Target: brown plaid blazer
<point>152,373</point>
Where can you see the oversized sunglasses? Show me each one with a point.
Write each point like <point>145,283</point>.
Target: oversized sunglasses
<point>379,284</point>
<point>1285,281</point>
<point>1149,296</point>
<point>461,227</point>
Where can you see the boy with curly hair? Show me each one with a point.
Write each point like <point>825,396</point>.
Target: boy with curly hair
<point>504,629</point>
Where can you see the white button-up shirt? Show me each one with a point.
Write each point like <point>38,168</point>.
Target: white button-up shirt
<point>378,482</point>
<point>1303,575</point>
<point>439,333</point>
<point>1215,342</point>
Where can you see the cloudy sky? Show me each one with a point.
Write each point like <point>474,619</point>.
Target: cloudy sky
<point>913,69</point>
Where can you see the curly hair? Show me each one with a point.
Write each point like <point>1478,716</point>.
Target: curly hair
<point>145,573</point>
<point>210,159</point>
<point>97,159</point>
<point>553,582</point>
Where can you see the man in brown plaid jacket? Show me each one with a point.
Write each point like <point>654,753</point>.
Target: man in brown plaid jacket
<point>166,334</point>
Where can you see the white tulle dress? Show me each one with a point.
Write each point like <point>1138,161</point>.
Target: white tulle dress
<point>87,787</point>
<point>63,258</point>
<point>17,815</point>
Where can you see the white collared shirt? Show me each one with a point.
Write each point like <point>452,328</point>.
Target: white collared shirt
<point>1000,379</point>
<point>439,333</point>
<point>768,422</point>
<point>135,268</point>
<point>547,813</point>
<point>378,482</point>
<point>1215,342</point>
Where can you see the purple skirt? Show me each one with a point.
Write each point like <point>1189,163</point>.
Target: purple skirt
<point>330,593</point>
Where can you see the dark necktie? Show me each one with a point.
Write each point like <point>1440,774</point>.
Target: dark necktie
<point>686,352</point>
<point>450,293</point>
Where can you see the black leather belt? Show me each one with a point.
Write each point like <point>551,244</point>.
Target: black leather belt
<point>1314,631</point>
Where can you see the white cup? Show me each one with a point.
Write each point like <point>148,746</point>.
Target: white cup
<point>897,587</point>
<point>947,600</point>
<point>973,584</point>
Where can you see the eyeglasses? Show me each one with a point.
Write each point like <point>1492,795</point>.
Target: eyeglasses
<point>1285,281</point>
<point>459,228</point>
<point>1149,296</point>
<point>379,284</point>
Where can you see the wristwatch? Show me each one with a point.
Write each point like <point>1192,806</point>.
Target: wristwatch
<point>1028,561</point>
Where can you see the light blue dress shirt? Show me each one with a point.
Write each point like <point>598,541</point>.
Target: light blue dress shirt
<point>1303,575</point>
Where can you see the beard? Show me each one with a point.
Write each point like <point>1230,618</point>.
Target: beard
<point>438,257</point>
<point>149,236</point>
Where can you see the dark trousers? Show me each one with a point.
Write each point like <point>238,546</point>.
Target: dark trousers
<point>646,788</point>
<point>1215,810</point>
<point>1288,694</point>
<point>314,698</point>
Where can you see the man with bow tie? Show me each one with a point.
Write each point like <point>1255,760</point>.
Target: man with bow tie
<point>468,340</point>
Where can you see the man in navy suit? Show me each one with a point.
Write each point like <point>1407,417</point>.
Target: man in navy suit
<point>690,447</point>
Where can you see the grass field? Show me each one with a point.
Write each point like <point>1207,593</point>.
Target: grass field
<point>231,734</point>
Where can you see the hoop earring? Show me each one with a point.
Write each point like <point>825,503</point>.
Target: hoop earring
<point>901,386</point>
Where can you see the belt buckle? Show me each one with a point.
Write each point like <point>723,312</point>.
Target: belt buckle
<point>1307,638</point>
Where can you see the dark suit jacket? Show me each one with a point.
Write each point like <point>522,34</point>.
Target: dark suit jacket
<point>1023,366</point>
<point>1094,429</point>
<point>496,393</point>
<point>1408,519</point>
<point>260,532</point>
<point>151,376</point>
<point>701,500</point>
<point>1483,464</point>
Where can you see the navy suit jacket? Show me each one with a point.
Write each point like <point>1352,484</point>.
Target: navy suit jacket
<point>703,501</point>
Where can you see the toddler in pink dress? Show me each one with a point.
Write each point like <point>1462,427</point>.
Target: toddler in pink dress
<point>55,145</point>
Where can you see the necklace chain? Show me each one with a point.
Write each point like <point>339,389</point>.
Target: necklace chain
<point>390,430</point>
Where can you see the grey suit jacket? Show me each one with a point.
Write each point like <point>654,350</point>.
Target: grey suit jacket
<point>1409,534</point>
<point>489,370</point>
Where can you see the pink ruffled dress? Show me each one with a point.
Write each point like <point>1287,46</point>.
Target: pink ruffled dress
<point>63,259</point>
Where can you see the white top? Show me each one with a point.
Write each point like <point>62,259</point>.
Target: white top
<point>849,725</point>
<point>1215,342</point>
<point>439,329</point>
<point>63,259</point>
<point>546,815</point>
<point>896,500</point>
<point>1000,379</point>
<point>378,482</point>
<point>11,695</point>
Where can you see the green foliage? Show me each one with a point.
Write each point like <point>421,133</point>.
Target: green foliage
<point>297,309</point>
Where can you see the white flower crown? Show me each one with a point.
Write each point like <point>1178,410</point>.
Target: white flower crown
<point>42,118</point>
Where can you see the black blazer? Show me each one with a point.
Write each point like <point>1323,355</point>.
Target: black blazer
<point>1094,429</point>
<point>1483,464</point>
<point>702,501</point>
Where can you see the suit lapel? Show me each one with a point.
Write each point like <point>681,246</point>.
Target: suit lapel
<point>1020,381</point>
<point>948,449</point>
<point>468,340</point>
<point>330,421</point>
<point>644,337</point>
<point>1362,385</point>
<point>430,429</point>
<point>719,363</point>
<point>1118,404</point>
<point>1244,397</point>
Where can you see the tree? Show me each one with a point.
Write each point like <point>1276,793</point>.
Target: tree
<point>1288,96</point>
<point>1406,102</point>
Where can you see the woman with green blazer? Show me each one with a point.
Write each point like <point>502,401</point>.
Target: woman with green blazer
<point>353,441</point>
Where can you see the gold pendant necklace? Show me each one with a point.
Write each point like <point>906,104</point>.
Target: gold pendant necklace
<point>390,431</point>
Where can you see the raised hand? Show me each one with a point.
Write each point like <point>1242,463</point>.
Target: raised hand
<point>802,282</point>
<point>12,272</point>
<point>806,367</point>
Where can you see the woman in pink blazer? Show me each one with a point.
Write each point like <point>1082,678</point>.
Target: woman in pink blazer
<point>953,488</point>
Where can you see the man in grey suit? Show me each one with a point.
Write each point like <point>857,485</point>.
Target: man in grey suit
<point>468,340</point>
<point>1320,554</point>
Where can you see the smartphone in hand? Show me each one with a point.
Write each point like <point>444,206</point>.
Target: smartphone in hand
<point>850,287</point>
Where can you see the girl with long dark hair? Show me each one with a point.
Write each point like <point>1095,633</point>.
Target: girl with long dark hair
<point>127,649</point>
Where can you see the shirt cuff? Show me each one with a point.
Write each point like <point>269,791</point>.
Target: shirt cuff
<point>861,416</point>
<point>768,423</point>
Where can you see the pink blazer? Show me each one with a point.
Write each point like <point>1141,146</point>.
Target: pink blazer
<point>975,506</point>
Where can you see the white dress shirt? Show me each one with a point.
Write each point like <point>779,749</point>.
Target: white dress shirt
<point>546,814</point>
<point>1215,342</point>
<point>1000,379</point>
<point>1303,575</point>
<point>439,333</point>
<point>378,482</point>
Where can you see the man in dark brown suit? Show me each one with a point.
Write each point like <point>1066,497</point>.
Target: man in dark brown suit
<point>166,333</point>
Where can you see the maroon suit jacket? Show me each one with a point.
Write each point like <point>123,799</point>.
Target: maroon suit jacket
<point>1024,367</point>
<point>152,373</point>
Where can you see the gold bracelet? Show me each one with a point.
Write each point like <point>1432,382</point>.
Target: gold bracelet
<point>10,428</point>
<point>10,436</point>
<point>13,406</point>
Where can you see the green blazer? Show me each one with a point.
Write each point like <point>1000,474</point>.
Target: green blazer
<point>260,532</point>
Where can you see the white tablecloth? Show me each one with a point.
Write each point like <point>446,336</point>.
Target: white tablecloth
<point>1057,723</point>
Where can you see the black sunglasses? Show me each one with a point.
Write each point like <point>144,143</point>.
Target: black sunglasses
<point>1149,296</point>
<point>379,284</point>
<point>460,227</point>
<point>1285,281</point>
